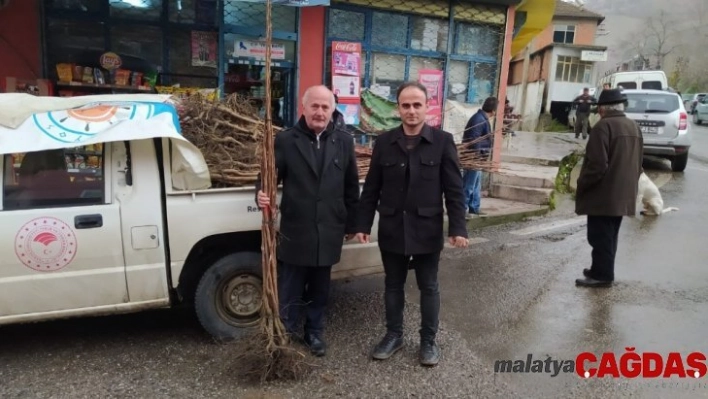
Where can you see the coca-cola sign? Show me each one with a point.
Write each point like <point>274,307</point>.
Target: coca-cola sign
<point>347,47</point>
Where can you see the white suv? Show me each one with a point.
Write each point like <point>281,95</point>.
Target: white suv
<point>663,120</point>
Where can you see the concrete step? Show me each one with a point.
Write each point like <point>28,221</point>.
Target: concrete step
<point>530,160</point>
<point>529,195</point>
<point>512,174</point>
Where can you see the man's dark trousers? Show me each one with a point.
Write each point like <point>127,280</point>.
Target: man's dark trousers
<point>396,267</point>
<point>303,287</point>
<point>603,232</point>
<point>582,124</point>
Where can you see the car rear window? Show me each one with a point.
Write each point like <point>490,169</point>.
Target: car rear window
<point>627,85</point>
<point>656,103</point>
<point>651,85</point>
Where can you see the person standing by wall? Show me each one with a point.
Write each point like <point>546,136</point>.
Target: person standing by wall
<point>317,166</point>
<point>478,126</point>
<point>412,167</point>
<point>608,184</point>
<point>582,113</point>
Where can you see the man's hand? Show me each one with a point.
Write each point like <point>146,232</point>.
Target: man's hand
<point>263,200</point>
<point>459,242</point>
<point>363,238</point>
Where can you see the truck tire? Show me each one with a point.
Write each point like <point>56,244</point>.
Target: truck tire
<point>229,296</point>
<point>679,162</point>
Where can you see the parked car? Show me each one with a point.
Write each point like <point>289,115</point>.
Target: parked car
<point>663,120</point>
<point>701,111</point>
<point>691,107</point>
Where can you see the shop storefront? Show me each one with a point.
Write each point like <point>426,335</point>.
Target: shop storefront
<point>159,44</point>
<point>454,48</point>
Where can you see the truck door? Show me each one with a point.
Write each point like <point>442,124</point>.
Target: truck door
<point>61,247</point>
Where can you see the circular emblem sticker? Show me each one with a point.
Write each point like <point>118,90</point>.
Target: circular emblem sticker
<point>110,61</point>
<point>45,244</point>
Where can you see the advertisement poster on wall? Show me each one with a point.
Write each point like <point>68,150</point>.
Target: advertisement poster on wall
<point>433,81</point>
<point>204,49</point>
<point>346,78</point>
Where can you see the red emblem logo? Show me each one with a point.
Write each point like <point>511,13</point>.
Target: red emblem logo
<point>45,244</point>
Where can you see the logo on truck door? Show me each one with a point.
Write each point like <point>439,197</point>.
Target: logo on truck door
<point>45,244</point>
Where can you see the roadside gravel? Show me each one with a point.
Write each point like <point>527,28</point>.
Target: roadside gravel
<point>164,354</point>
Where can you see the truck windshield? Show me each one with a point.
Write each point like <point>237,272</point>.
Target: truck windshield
<point>652,103</point>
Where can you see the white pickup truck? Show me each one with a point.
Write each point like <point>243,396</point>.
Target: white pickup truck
<point>105,208</point>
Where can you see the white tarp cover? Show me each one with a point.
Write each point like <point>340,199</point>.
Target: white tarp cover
<point>30,123</point>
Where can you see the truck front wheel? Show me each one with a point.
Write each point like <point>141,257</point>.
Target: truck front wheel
<point>229,296</point>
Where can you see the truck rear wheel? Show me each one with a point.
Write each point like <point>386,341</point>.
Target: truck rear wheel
<point>229,296</point>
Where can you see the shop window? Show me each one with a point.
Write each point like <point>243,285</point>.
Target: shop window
<point>54,178</point>
<point>483,84</point>
<point>346,25</point>
<point>87,6</point>
<point>67,40</point>
<point>389,30</point>
<point>138,41</point>
<point>136,9</point>
<point>202,12</point>
<point>181,62</point>
<point>418,63</point>
<point>458,79</point>
<point>571,69</point>
<point>247,14</point>
<point>429,34</point>
<point>477,40</point>
<point>564,34</point>
<point>387,72</point>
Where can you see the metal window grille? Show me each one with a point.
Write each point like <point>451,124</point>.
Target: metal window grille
<point>400,38</point>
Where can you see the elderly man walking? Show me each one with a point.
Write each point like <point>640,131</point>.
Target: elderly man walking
<point>608,184</point>
<point>317,166</point>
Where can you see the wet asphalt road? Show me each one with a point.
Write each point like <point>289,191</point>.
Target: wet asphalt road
<point>502,299</point>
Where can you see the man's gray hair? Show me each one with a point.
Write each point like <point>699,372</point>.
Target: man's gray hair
<point>309,90</point>
<point>613,107</point>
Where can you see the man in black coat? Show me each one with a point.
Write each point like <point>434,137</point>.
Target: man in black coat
<point>411,168</point>
<point>317,166</point>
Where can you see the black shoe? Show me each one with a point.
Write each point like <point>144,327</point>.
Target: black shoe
<point>389,345</point>
<point>591,282</point>
<point>586,273</point>
<point>316,344</point>
<point>429,353</point>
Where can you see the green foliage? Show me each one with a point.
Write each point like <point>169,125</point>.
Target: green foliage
<point>567,165</point>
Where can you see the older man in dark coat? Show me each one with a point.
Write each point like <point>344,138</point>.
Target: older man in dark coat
<point>412,168</point>
<point>608,184</point>
<point>317,166</point>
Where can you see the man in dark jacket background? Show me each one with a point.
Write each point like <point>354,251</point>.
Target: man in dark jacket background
<point>411,168</point>
<point>583,103</point>
<point>608,184</point>
<point>317,166</point>
<point>478,126</point>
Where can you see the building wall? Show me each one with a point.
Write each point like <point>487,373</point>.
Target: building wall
<point>585,30</point>
<point>20,41</point>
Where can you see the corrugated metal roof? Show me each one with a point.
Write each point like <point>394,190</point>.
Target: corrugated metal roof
<point>571,10</point>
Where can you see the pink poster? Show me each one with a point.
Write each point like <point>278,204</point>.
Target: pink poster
<point>204,49</point>
<point>433,81</point>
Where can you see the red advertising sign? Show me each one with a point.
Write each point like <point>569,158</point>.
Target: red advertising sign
<point>346,71</point>
<point>433,81</point>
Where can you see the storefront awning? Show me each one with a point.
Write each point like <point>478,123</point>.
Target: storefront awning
<point>534,16</point>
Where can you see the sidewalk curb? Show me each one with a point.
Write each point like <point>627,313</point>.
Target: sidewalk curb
<point>495,220</point>
<point>479,222</point>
